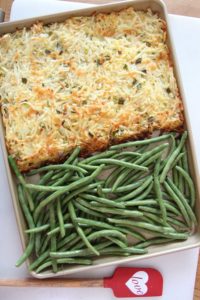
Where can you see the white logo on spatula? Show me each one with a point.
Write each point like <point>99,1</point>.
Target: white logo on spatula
<point>137,283</point>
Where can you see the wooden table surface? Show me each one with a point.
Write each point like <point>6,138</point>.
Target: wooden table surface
<point>179,7</point>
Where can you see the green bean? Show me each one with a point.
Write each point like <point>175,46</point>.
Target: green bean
<point>43,266</point>
<point>44,188</point>
<point>171,207</point>
<point>125,188</point>
<point>38,229</point>
<point>190,183</point>
<point>126,153</point>
<point>185,160</point>
<point>24,207</point>
<point>28,217</point>
<point>117,251</point>
<point>57,167</point>
<point>78,261</point>
<point>78,252</point>
<point>87,167</point>
<point>16,170</point>
<point>185,167</point>
<point>117,242</point>
<point>177,235</point>
<point>174,172</point>
<point>173,157</point>
<point>175,176</point>
<point>151,210</point>
<point>121,163</point>
<point>45,243</point>
<point>38,237</point>
<point>180,178</point>
<point>92,223</point>
<point>141,196</point>
<point>100,224</point>
<point>79,229</point>
<point>57,229</point>
<point>183,200</point>
<point>66,217</point>
<point>27,251</point>
<point>60,174</point>
<point>38,261</point>
<point>178,223</point>
<point>145,159</point>
<point>77,243</point>
<point>98,156</point>
<point>69,160</point>
<point>43,181</point>
<point>156,219</point>
<point>172,212</point>
<point>136,202</point>
<point>63,179</point>
<point>137,191</point>
<point>178,158</point>
<point>21,180</point>
<point>112,176</point>
<point>67,239</point>
<point>169,219</point>
<point>87,209</point>
<point>149,227</point>
<point>178,202</point>
<point>137,175</point>
<point>134,233</point>
<point>116,211</point>
<point>154,241</point>
<point>143,142</point>
<point>74,185</point>
<point>118,170</point>
<point>104,201</point>
<point>158,192</point>
<point>105,233</point>
<point>172,148</point>
<point>46,177</point>
<point>73,155</point>
<point>43,195</point>
<point>53,238</point>
<point>60,218</point>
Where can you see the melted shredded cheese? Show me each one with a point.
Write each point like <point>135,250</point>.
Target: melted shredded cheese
<point>88,81</point>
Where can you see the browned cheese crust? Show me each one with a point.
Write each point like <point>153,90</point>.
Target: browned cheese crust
<point>90,82</point>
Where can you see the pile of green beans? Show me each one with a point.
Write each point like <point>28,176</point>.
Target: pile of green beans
<point>118,202</point>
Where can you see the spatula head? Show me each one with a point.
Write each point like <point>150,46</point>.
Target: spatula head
<point>135,282</point>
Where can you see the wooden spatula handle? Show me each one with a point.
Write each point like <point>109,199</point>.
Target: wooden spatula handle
<point>61,282</point>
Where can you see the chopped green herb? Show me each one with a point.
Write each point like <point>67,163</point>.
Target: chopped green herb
<point>24,80</point>
<point>90,134</point>
<point>139,86</point>
<point>99,62</point>
<point>151,119</point>
<point>121,101</point>
<point>148,44</point>
<point>134,81</point>
<point>107,57</point>
<point>47,51</point>
<point>125,67</point>
<point>58,111</point>
<point>168,90</point>
<point>138,61</point>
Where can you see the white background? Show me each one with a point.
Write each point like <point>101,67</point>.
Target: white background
<point>178,269</point>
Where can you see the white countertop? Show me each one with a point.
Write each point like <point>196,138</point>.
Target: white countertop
<point>178,269</point>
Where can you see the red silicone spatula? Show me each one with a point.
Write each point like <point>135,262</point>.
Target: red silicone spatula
<point>125,282</point>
